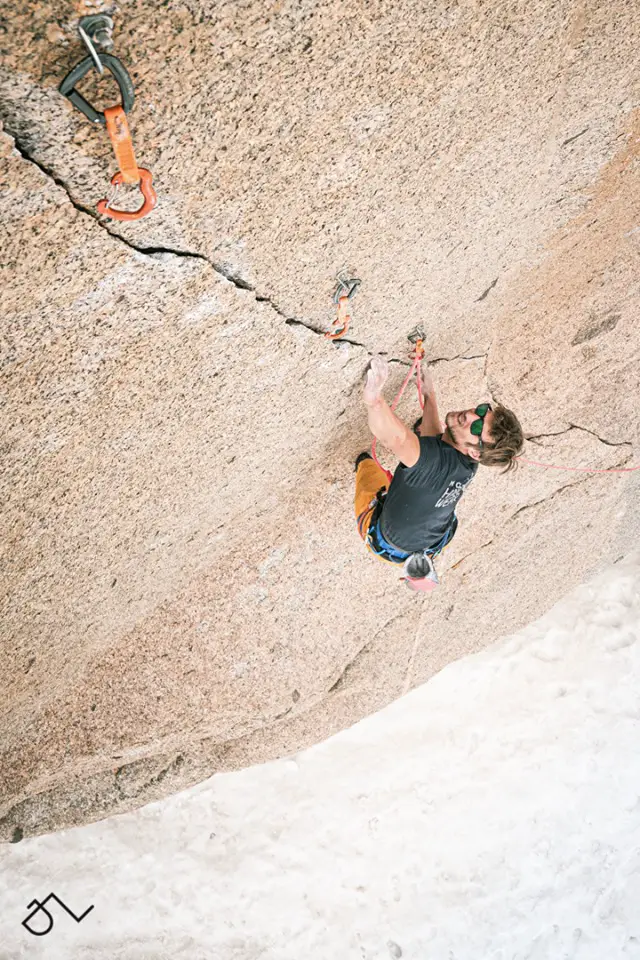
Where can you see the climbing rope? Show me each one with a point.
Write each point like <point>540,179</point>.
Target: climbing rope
<point>99,27</point>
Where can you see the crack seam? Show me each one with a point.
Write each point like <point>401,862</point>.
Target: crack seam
<point>154,251</point>
<point>575,426</point>
<point>527,506</point>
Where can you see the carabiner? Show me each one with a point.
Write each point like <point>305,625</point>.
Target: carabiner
<point>347,288</point>
<point>341,322</point>
<point>68,86</point>
<point>345,291</point>
<point>417,338</point>
<point>418,351</point>
<point>147,191</point>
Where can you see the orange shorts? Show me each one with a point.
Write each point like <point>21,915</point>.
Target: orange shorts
<point>370,478</point>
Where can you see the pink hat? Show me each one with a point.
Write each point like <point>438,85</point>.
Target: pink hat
<point>423,584</point>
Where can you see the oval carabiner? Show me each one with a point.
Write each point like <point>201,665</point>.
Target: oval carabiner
<point>147,191</point>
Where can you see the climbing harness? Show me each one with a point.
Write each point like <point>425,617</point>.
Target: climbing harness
<point>99,27</point>
<point>345,291</point>
<point>416,337</point>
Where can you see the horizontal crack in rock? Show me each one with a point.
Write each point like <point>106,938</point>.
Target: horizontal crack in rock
<point>527,506</point>
<point>575,426</point>
<point>22,150</point>
<point>156,251</point>
<point>476,356</point>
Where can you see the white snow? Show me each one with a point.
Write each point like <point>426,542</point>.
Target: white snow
<point>492,814</point>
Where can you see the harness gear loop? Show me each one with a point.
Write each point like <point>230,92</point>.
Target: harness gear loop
<point>68,86</point>
<point>147,191</point>
<point>345,291</point>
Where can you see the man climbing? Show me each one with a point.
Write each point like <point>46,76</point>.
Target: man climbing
<point>412,519</point>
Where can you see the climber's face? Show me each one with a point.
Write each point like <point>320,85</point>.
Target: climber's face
<point>468,430</point>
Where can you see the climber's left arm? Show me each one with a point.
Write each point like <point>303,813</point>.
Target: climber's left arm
<point>383,423</point>
<point>392,432</point>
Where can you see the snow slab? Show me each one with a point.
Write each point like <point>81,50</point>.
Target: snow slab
<point>491,814</point>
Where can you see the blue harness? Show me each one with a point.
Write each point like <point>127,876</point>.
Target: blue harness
<point>382,548</point>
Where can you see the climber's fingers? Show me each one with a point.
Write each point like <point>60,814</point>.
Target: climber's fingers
<point>376,376</point>
<point>426,379</point>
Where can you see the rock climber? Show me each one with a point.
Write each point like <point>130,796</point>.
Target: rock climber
<point>413,518</point>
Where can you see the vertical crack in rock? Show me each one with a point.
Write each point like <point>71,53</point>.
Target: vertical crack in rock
<point>406,685</point>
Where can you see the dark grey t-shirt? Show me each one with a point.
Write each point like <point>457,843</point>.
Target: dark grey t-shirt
<point>421,500</point>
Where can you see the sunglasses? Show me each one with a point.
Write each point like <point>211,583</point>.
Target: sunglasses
<point>477,425</point>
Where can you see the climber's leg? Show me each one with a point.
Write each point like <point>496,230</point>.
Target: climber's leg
<point>370,478</point>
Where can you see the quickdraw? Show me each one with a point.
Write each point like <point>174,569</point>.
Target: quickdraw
<point>113,118</point>
<point>345,291</point>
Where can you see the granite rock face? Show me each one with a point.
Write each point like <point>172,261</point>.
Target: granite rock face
<point>184,590</point>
